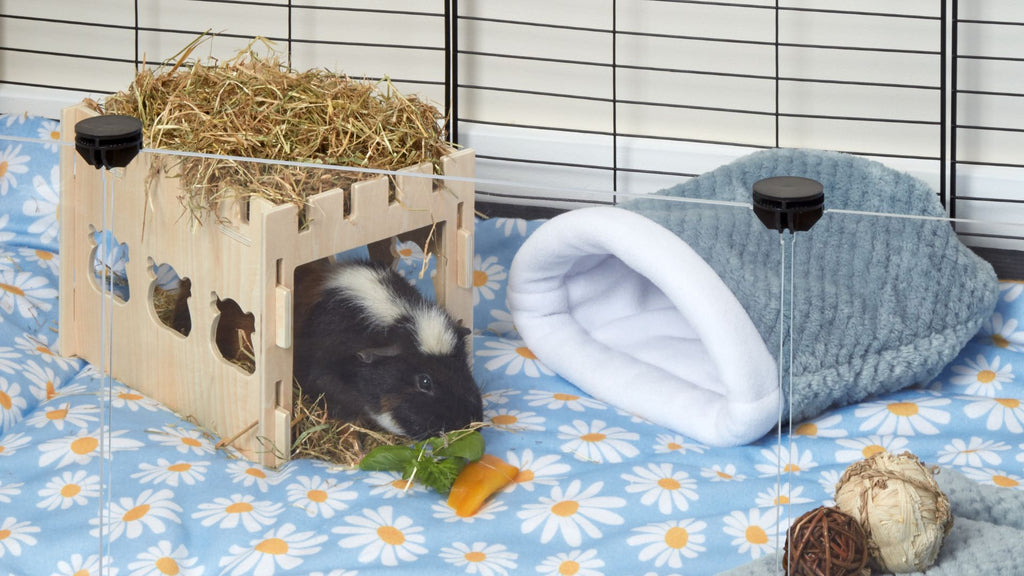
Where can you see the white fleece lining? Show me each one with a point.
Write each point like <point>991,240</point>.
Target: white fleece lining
<point>628,312</point>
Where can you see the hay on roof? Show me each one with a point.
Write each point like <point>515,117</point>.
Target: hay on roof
<point>254,106</point>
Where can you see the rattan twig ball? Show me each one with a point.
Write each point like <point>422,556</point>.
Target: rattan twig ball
<point>825,542</point>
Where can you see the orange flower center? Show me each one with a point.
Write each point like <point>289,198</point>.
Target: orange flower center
<point>84,445</point>
<point>239,508</point>
<point>12,289</point>
<point>806,429</point>
<point>479,278</point>
<point>391,535</point>
<point>986,376</point>
<point>504,420</point>
<point>677,538</point>
<point>906,409</point>
<point>180,467</point>
<point>593,437</point>
<point>5,401</point>
<point>524,476</point>
<point>167,566</point>
<point>565,508</point>
<point>274,546</point>
<point>525,353</point>
<point>136,513</point>
<point>568,568</point>
<point>756,535</point>
<point>1005,482</point>
<point>256,473</point>
<point>871,450</point>
<point>565,397</point>
<point>70,490</point>
<point>669,484</point>
<point>317,495</point>
<point>187,441</point>
<point>57,414</point>
<point>1011,403</point>
<point>475,556</point>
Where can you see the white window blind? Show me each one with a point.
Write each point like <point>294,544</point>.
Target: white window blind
<point>573,101</point>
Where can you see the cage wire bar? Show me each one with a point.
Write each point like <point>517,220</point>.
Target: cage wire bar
<point>980,127</point>
<point>454,55</point>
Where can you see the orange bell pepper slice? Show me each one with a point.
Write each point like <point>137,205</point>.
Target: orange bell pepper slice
<point>477,481</point>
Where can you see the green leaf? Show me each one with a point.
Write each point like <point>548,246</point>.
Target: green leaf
<point>468,446</point>
<point>436,474</point>
<point>388,458</point>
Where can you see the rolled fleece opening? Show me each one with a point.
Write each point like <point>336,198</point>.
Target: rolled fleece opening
<point>626,311</point>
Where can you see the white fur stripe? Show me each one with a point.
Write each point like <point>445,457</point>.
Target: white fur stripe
<point>365,286</point>
<point>434,334</point>
<point>387,422</point>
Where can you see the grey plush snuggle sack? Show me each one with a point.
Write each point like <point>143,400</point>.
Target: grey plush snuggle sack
<point>880,302</point>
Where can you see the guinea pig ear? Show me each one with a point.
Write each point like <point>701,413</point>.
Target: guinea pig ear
<point>462,331</point>
<point>370,355</point>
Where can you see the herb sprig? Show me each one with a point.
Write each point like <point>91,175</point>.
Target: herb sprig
<point>434,462</point>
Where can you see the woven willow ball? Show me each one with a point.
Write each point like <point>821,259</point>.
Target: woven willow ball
<point>901,508</point>
<point>825,542</point>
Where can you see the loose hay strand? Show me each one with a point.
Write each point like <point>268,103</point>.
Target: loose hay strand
<point>255,106</point>
<point>319,437</point>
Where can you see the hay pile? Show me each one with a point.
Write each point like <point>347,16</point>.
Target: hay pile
<point>255,106</point>
<point>314,435</point>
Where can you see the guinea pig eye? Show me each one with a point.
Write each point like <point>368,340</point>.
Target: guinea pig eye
<point>424,383</point>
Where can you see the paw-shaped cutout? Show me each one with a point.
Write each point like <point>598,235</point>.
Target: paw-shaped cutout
<point>109,264</point>
<point>170,298</point>
<point>234,332</point>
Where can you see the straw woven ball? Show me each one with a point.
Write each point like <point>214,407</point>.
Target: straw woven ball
<point>901,508</point>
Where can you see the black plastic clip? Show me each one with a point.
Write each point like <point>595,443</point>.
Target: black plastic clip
<point>788,202</point>
<point>108,141</point>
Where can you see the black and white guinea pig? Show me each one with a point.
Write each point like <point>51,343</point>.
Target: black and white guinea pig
<point>379,352</point>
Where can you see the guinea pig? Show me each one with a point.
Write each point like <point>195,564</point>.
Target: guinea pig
<point>379,352</point>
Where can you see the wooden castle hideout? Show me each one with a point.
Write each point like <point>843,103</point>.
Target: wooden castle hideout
<point>246,252</point>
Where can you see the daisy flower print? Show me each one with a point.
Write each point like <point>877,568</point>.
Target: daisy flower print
<point>975,452</point>
<point>860,448</point>
<point>18,536</point>
<point>239,510</point>
<point>171,473</point>
<point>755,532</point>
<point>12,162</point>
<point>659,485</point>
<point>514,357</point>
<point>382,536</point>
<point>69,489</point>
<point>42,207</point>
<point>574,563</point>
<point>280,551</point>
<point>487,277</point>
<point>979,377</point>
<point>785,460</point>
<point>130,517</point>
<point>596,441</point>
<point>320,497</point>
<point>164,559</point>
<point>998,413</point>
<point>572,512</point>
<point>1004,333</point>
<point>904,418</point>
<point>480,558</point>
<point>669,543</point>
<point>545,470</point>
